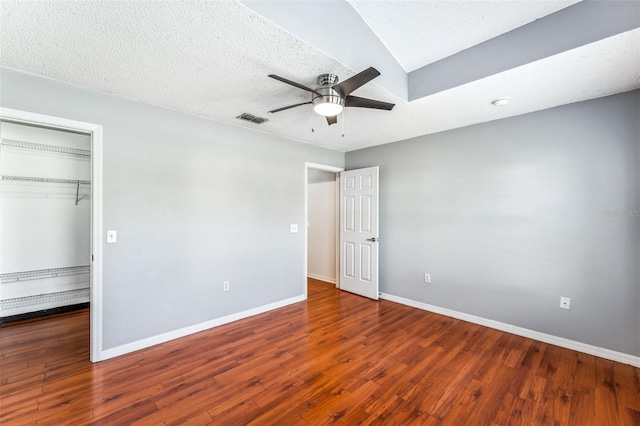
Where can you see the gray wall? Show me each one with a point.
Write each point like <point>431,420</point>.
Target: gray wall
<point>508,216</point>
<point>195,202</point>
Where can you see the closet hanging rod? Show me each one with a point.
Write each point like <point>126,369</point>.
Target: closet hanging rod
<point>43,273</point>
<point>48,148</point>
<point>48,180</point>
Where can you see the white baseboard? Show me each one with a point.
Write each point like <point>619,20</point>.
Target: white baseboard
<point>321,278</point>
<point>175,334</point>
<point>531,334</point>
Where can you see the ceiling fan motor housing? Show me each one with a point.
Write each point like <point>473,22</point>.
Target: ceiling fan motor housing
<point>330,100</point>
<point>329,96</point>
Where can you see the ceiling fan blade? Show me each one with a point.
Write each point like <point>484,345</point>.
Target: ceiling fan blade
<point>290,106</point>
<point>294,84</point>
<point>332,119</point>
<point>354,101</point>
<point>358,80</point>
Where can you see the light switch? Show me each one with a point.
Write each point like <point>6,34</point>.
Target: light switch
<point>112,236</point>
<point>294,228</point>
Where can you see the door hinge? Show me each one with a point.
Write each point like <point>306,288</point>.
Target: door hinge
<point>92,258</point>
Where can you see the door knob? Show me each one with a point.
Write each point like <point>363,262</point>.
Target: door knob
<point>373,240</point>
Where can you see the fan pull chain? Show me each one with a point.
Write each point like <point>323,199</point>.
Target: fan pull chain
<point>342,121</point>
<point>312,121</point>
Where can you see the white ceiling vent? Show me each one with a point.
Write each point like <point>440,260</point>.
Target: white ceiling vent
<point>252,118</point>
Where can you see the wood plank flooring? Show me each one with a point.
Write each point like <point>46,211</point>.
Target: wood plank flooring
<point>337,358</point>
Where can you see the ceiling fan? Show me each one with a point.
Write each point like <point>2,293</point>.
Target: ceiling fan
<point>330,97</point>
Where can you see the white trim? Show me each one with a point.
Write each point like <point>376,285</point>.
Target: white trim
<point>325,168</point>
<point>337,236</point>
<point>524,332</point>
<point>95,310</point>
<point>322,167</point>
<point>95,131</point>
<point>196,328</point>
<point>321,278</point>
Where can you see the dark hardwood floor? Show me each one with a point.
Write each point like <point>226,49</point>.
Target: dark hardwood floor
<point>337,358</point>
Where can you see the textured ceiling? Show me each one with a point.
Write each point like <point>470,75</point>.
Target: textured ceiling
<point>418,33</point>
<point>212,59</point>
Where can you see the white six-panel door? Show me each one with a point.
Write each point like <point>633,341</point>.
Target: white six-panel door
<point>359,231</point>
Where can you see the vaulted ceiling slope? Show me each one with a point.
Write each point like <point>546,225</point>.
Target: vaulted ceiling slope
<point>419,33</point>
<point>441,62</point>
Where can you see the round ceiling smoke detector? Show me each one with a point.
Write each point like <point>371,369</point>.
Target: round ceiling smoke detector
<point>500,102</point>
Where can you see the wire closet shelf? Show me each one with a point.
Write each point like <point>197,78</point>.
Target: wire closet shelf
<point>43,273</point>
<point>13,143</point>
<point>72,296</point>
<point>48,180</point>
<point>76,182</point>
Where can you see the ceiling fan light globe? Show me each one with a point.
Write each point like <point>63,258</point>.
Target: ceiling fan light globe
<point>328,109</point>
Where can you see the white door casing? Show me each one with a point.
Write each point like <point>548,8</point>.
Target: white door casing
<point>359,232</point>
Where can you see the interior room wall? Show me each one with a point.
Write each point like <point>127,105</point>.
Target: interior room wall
<point>321,231</point>
<point>510,215</point>
<point>195,203</point>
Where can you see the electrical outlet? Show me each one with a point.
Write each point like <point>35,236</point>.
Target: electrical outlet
<point>112,236</point>
<point>565,303</point>
<point>427,278</point>
<point>294,228</point>
<point>225,286</point>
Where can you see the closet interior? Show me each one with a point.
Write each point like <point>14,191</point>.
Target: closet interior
<point>45,220</point>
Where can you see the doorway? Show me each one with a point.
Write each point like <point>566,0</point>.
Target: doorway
<point>55,259</point>
<point>322,218</point>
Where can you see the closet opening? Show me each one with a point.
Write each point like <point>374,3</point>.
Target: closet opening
<point>49,247</point>
<point>322,219</point>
